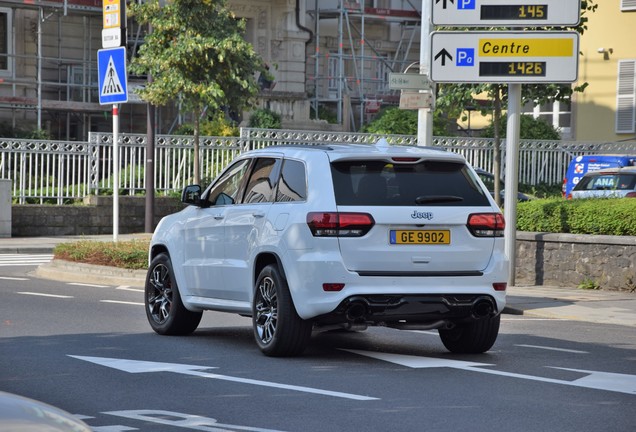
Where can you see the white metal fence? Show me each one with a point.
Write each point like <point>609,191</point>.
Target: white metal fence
<point>61,172</point>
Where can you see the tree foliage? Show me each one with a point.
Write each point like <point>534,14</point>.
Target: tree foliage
<point>196,55</point>
<point>531,128</point>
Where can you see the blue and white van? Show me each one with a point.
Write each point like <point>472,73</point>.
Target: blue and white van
<point>582,164</point>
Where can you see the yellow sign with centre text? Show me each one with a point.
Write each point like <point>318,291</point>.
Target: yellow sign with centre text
<point>546,47</point>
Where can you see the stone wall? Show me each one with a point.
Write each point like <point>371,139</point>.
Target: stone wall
<point>93,218</point>
<point>542,258</point>
<point>570,259</point>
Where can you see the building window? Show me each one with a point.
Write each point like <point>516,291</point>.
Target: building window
<point>628,5</point>
<point>557,113</point>
<point>626,97</point>
<point>6,46</point>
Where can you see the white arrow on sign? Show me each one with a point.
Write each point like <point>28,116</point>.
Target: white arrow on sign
<point>620,383</point>
<point>136,366</point>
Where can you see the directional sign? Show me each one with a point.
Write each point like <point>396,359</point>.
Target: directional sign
<point>112,76</point>
<point>506,13</point>
<point>508,57</point>
<point>412,100</point>
<point>409,81</point>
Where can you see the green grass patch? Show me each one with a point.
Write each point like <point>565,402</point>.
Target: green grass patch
<point>131,254</point>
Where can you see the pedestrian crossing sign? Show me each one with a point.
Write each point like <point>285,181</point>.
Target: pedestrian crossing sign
<point>112,76</point>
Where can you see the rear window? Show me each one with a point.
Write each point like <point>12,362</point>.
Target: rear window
<point>606,182</point>
<point>428,183</point>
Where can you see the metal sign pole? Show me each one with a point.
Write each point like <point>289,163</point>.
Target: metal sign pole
<point>512,175</point>
<point>115,172</point>
<point>425,115</point>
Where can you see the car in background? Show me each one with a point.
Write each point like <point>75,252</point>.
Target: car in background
<point>582,164</point>
<point>607,183</point>
<point>18,413</point>
<point>489,180</point>
<point>307,238</point>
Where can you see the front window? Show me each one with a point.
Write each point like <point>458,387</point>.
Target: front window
<point>226,189</point>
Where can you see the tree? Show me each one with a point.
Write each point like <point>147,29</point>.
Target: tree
<point>531,128</point>
<point>453,98</point>
<point>197,57</point>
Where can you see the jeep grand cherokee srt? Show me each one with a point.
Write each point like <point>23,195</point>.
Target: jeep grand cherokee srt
<point>314,237</point>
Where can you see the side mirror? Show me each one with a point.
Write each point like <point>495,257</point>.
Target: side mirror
<point>191,195</point>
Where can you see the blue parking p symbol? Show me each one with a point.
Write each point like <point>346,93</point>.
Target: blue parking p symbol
<point>465,57</point>
<point>465,4</point>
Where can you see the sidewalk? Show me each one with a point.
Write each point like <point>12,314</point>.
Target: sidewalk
<point>597,306</point>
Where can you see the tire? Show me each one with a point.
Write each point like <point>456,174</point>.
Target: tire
<point>164,309</point>
<point>278,330</point>
<point>474,338</point>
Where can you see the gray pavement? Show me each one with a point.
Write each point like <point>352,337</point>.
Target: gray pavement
<point>569,303</point>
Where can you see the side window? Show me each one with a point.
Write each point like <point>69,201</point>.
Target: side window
<point>293,182</point>
<point>260,187</point>
<point>226,189</point>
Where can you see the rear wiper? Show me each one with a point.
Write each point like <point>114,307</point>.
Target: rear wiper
<point>430,199</point>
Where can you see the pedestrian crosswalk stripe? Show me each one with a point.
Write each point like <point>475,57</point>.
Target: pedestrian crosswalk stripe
<point>9,260</point>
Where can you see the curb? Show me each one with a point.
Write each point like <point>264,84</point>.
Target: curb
<point>67,271</point>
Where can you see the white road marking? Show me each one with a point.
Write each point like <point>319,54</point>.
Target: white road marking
<point>122,302</point>
<point>127,288</point>
<point>88,285</point>
<point>619,383</point>
<point>135,366</point>
<point>45,295</point>
<point>10,260</point>
<point>13,278</point>
<point>553,349</point>
<point>535,319</point>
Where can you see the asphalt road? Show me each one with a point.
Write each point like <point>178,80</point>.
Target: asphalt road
<point>89,350</point>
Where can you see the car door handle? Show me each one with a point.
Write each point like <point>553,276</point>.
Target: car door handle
<point>218,216</point>
<point>258,214</point>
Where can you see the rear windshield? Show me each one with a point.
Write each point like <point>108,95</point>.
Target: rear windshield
<point>607,182</point>
<point>428,183</point>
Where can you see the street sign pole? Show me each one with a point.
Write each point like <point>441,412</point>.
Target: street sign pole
<point>512,175</point>
<point>425,115</point>
<point>115,172</point>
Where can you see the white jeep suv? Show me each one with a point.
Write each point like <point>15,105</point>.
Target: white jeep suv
<point>317,237</point>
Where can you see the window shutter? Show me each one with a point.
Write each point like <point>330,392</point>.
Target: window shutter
<point>627,5</point>
<point>626,97</point>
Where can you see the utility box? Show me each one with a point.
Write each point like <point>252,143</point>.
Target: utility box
<point>5,208</point>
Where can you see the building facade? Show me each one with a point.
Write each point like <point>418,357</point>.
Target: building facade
<point>606,110</point>
<point>330,59</point>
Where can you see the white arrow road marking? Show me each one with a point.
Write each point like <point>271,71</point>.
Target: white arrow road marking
<point>614,382</point>
<point>187,421</point>
<point>135,366</point>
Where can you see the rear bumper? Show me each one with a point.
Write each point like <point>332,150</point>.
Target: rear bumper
<point>412,309</point>
<point>391,295</point>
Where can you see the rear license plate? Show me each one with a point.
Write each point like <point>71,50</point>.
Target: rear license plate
<point>432,237</point>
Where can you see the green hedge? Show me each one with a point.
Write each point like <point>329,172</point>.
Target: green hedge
<point>586,216</point>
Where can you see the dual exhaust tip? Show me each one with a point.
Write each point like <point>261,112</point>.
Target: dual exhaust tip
<point>358,309</point>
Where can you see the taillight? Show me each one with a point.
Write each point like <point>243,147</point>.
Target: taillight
<point>500,286</point>
<point>631,195</point>
<point>335,224</point>
<point>486,224</point>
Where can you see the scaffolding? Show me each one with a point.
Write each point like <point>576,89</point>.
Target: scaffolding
<point>351,69</point>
